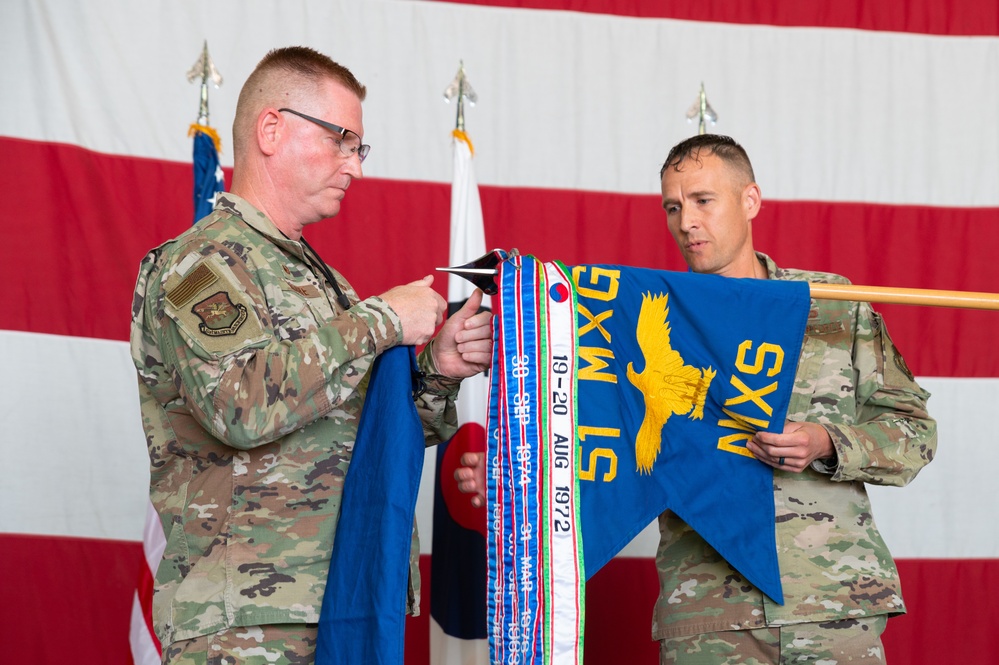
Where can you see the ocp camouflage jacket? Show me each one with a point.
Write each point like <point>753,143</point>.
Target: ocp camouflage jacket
<point>251,381</point>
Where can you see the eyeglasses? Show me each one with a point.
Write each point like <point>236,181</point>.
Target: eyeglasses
<point>350,142</point>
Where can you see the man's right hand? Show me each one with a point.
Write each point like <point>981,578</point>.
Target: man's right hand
<point>471,477</point>
<point>419,308</point>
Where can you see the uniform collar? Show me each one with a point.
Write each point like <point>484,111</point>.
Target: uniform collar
<point>773,272</point>
<point>258,221</point>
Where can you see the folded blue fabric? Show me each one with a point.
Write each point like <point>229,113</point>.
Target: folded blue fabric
<point>364,605</point>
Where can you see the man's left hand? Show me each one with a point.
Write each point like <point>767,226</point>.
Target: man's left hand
<point>464,345</point>
<point>793,450</point>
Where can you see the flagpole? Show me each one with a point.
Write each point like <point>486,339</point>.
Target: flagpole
<point>208,176</point>
<point>458,605</point>
<point>204,69</point>
<point>905,296</point>
<point>702,111</point>
<point>460,90</point>
<point>481,271</point>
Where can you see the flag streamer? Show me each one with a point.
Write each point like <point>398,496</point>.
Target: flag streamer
<point>535,547</point>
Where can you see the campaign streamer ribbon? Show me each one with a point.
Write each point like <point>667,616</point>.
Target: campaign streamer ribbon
<point>534,546</point>
<point>563,565</point>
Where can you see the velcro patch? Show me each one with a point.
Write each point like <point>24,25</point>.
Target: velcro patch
<point>191,285</point>
<point>219,315</point>
<point>307,290</point>
<point>889,350</point>
<point>825,328</point>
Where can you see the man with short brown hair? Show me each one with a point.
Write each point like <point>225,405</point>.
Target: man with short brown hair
<point>856,416</point>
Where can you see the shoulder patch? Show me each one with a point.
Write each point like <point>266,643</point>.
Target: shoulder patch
<point>199,278</point>
<point>212,309</point>
<point>219,315</point>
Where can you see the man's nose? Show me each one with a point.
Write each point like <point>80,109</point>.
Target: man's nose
<point>688,219</point>
<point>352,166</point>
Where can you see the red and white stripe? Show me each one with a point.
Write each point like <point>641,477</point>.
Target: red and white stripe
<point>146,647</point>
<point>871,127</point>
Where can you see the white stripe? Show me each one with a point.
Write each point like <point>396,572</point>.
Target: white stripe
<point>949,509</point>
<point>153,539</point>
<point>73,436</point>
<point>73,450</point>
<point>566,100</point>
<point>144,652</point>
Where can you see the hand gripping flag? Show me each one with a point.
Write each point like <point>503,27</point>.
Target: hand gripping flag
<point>458,564</point>
<point>674,373</point>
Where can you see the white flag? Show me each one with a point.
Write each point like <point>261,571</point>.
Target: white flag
<point>458,577</point>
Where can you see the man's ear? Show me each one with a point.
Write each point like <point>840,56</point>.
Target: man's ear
<point>270,128</point>
<point>751,200</point>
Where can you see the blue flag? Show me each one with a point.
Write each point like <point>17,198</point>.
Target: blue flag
<point>208,177</point>
<point>364,605</point>
<point>676,373</point>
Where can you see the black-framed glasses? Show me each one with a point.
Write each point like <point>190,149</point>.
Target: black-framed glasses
<point>350,142</point>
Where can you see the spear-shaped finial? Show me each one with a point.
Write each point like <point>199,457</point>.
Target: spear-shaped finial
<point>204,69</point>
<point>460,89</point>
<point>703,112</point>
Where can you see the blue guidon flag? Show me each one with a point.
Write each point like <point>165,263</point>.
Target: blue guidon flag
<point>672,373</point>
<point>209,179</point>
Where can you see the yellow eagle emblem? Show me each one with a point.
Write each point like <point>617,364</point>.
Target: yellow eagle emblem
<point>667,384</point>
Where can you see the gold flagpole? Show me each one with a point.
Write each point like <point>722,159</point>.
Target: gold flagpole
<point>482,271</point>
<point>905,296</point>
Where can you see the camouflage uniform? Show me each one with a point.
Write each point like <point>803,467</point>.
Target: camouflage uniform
<point>289,644</point>
<point>251,381</point>
<point>834,563</point>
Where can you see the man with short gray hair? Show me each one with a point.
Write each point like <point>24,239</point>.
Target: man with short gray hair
<point>253,357</point>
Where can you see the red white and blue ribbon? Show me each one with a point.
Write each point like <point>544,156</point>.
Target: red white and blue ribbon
<point>534,546</point>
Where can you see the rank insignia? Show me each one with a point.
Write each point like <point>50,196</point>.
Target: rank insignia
<point>219,315</point>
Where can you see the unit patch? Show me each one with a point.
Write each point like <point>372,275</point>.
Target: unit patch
<point>219,315</point>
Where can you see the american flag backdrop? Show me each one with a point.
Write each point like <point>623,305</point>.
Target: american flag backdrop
<point>872,128</point>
